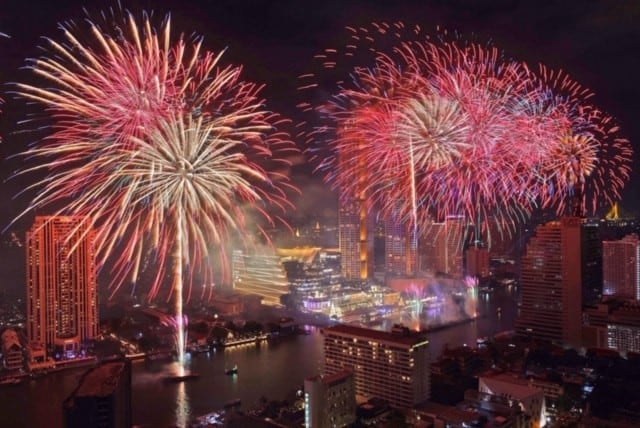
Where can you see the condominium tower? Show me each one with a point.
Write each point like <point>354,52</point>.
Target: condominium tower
<point>62,308</point>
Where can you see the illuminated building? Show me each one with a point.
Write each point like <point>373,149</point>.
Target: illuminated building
<point>477,261</point>
<point>102,398</point>
<point>551,284</point>
<point>393,366</point>
<point>623,327</point>
<point>356,246</point>
<point>621,267</point>
<point>400,248</point>
<point>12,351</point>
<point>449,246</point>
<point>61,283</point>
<point>259,274</point>
<point>330,400</point>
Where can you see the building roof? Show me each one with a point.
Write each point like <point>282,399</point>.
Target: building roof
<point>332,379</point>
<point>100,381</point>
<point>517,387</point>
<point>405,337</point>
<point>10,339</point>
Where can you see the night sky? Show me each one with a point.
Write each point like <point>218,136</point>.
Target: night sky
<point>596,42</point>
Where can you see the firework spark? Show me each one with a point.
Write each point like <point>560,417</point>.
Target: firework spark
<point>157,148</point>
<point>454,128</point>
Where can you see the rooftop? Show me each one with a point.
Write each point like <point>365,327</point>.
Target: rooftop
<point>100,381</point>
<point>404,337</point>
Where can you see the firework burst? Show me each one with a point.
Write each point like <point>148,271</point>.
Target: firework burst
<point>159,150</point>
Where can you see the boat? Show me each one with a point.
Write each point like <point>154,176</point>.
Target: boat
<point>231,371</point>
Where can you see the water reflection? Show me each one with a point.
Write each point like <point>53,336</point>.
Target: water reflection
<point>183,409</point>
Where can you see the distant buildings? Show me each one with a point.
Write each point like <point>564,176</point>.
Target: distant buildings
<point>330,400</point>
<point>621,267</point>
<point>449,239</point>
<point>102,398</point>
<point>551,284</point>
<point>261,274</point>
<point>393,366</point>
<point>62,307</point>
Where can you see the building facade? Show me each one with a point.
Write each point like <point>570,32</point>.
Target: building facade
<point>551,283</point>
<point>260,274</point>
<point>393,366</point>
<point>621,267</point>
<point>330,400</point>
<point>62,307</point>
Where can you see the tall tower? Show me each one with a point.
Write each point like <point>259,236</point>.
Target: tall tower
<point>551,283</point>
<point>449,246</point>
<point>621,267</point>
<point>62,307</point>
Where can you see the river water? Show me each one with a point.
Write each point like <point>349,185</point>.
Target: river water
<point>271,370</point>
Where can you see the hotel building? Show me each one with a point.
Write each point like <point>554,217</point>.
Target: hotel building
<point>621,267</point>
<point>393,366</point>
<point>62,307</point>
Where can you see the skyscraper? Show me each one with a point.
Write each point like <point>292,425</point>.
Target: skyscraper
<point>356,246</point>
<point>621,267</point>
<point>449,246</point>
<point>62,307</point>
<point>551,283</point>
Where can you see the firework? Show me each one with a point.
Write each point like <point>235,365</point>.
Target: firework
<point>435,128</point>
<point>175,163</point>
<point>589,162</point>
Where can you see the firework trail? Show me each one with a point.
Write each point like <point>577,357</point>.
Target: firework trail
<point>1,100</point>
<point>159,148</point>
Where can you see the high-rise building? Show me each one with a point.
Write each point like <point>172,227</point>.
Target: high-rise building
<point>330,400</point>
<point>62,307</point>
<point>393,366</point>
<point>621,267</point>
<point>355,241</point>
<point>400,246</point>
<point>449,246</point>
<point>551,283</point>
<point>591,262</point>
<point>477,261</point>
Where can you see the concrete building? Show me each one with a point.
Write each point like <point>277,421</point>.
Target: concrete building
<point>102,398</point>
<point>551,283</point>
<point>621,267</point>
<point>330,400</point>
<point>517,390</point>
<point>355,240</point>
<point>449,246</point>
<point>62,307</point>
<point>393,366</point>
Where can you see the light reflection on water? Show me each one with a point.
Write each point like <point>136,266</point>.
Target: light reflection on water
<point>269,370</point>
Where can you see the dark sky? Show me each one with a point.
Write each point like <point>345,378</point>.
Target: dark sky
<point>596,41</point>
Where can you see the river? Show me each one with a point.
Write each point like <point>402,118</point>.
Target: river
<point>271,370</point>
